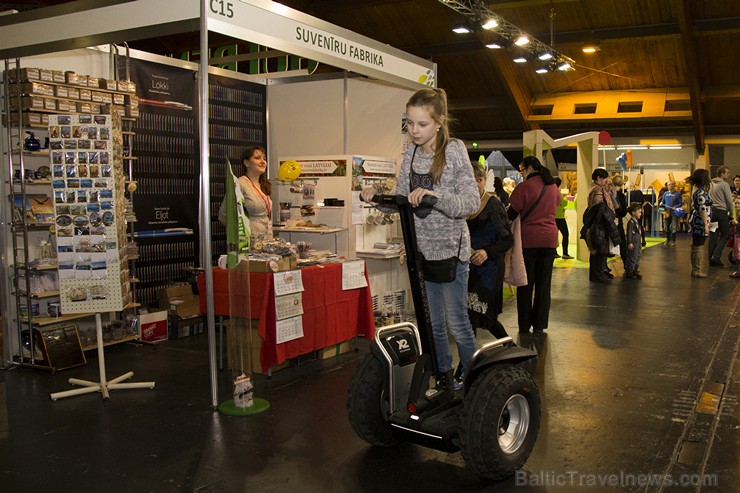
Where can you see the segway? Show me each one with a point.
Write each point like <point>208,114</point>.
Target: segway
<point>493,420</point>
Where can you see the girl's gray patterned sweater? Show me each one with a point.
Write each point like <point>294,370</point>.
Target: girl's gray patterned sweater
<point>438,234</point>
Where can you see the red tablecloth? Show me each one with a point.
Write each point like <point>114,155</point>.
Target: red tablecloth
<point>330,315</point>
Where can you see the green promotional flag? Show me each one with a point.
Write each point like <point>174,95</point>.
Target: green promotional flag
<point>237,221</point>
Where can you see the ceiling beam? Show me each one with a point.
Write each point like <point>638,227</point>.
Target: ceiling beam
<point>700,27</point>
<point>683,9</point>
<point>517,89</point>
<point>498,102</point>
<point>720,93</point>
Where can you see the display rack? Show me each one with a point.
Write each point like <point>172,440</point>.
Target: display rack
<point>31,98</point>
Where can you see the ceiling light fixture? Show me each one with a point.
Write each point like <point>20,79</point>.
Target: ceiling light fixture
<point>490,24</point>
<point>461,30</point>
<point>542,70</point>
<point>480,18</point>
<point>591,48</point>
<point>520,59</point>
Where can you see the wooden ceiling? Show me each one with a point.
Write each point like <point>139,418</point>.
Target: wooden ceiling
<point>677,58</point>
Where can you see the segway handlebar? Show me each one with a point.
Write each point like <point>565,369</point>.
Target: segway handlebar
<point>400,200</point>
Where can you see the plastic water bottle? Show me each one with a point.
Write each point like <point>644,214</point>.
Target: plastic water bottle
<point>243,391</point>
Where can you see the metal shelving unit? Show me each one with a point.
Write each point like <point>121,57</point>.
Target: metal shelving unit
<point>20,227</point>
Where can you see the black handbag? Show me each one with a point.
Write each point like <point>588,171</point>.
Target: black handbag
<point>441,271</point>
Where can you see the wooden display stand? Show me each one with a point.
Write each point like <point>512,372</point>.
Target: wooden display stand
<point>103,386</point>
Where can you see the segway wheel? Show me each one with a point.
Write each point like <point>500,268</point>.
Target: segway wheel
<point>500,421</point>
<point>367,407</point>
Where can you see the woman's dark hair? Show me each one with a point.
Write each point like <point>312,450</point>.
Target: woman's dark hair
<point>599,173</point>
<point>265,184</point>
<point>699,178</point>
<point>498,186</point>
<point>531,162</point>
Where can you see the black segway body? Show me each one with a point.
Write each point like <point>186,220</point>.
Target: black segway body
<point>493,420</point>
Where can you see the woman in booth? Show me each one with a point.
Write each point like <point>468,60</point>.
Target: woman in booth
<point>256,190</point>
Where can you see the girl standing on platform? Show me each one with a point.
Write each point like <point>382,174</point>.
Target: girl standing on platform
<point>436,164</point>
<point>256,189</point>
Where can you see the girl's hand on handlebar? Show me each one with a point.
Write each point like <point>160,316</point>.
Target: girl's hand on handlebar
<point>367,195</point>
<point>417,194</point>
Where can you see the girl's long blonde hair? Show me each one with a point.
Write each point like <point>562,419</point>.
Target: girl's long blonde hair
<point>435,101</point>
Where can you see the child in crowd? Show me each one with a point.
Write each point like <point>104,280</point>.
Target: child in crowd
<point>635,242</point>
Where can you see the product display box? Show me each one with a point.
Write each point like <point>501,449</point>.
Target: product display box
<point>239,353</point>
<point>153,326</point>
<point>285,263</point>
<point>335,350</point>
<point>179,301</point>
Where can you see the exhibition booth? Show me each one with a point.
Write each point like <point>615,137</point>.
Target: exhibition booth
<point>169,156</point>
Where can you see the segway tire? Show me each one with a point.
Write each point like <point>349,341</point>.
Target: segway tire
<point>367,408</point>
<point>500,421</point>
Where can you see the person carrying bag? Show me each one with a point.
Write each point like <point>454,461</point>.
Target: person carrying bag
<point>535,201</point>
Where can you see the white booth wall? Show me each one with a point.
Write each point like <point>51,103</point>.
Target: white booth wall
<point>349,116</point>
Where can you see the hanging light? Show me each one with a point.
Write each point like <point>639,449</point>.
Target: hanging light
<point>542,70</point>
<point>461,30</point>
<point>545,55</point>
<point>521,40</point>
<point>490,24</point>
<point>564,65</point>
<point>591,48</point>
<point>493,46</point>
<point>520,59</point>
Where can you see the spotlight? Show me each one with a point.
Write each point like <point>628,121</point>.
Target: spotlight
<point>545,55</point>
<point>493,46</point>
<point>521,40</point>
<point>461,30</point>
<point>542,70</point>
<point>520,59</point>
<point>591,48</point>
<point>564,65</point>
<point>490,24</point>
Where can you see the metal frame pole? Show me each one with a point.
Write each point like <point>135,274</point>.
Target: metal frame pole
<point>205,198</point>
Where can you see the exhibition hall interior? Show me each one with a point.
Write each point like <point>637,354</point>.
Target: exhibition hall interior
<point>242,242</point>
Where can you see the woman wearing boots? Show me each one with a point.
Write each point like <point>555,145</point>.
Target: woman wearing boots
<point>701,216</point>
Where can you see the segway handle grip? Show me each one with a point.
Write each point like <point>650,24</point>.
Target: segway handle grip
<point>398,200</point>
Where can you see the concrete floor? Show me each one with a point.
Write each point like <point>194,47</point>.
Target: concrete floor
<point>623,372</point>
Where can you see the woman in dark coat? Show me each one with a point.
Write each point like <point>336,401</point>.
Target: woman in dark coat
<point>599,226</point>
<point>490,238</point>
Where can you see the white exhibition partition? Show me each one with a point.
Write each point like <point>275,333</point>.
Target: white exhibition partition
<point>535,142</point>
<point>340,117</point>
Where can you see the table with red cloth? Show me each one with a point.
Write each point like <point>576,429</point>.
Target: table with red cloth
<point>330,315</point>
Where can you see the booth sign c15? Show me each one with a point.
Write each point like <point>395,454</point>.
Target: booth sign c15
<point>220,7</point>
